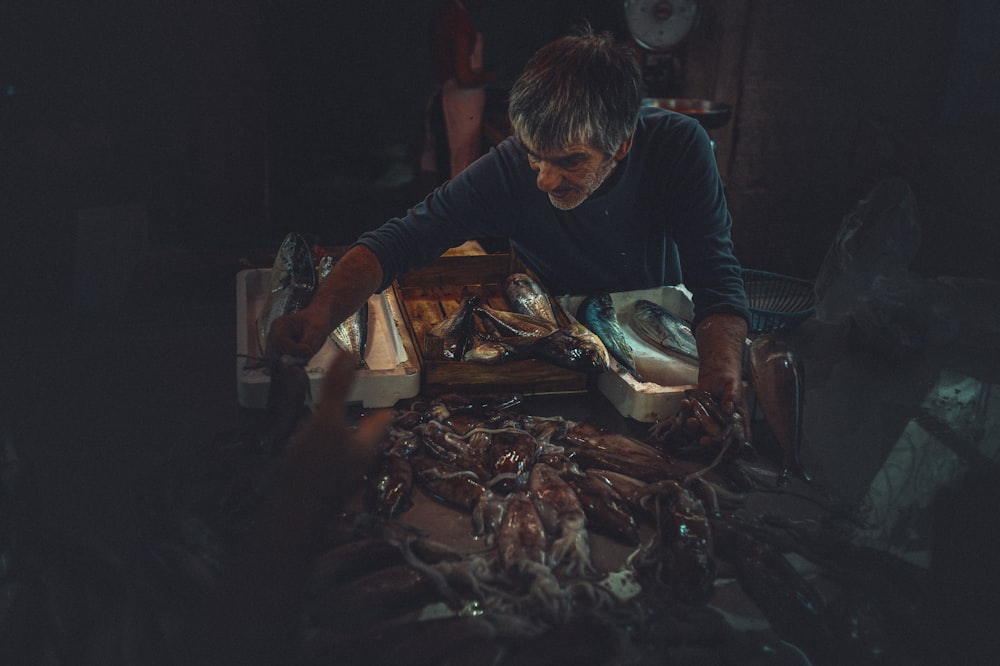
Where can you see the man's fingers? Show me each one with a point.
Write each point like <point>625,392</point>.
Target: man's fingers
<point>285,338</point>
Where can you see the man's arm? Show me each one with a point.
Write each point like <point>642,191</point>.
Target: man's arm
<point>721,341</point>
<point>354,278</point>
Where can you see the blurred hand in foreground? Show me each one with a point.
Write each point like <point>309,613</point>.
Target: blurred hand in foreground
<point>254,616</point>
<point>326,456</point>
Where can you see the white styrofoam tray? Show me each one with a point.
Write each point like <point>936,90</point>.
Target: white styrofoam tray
<point>667,375</point>
<point>393,371</point>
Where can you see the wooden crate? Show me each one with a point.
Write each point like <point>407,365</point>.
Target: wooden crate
<point>432,293</point>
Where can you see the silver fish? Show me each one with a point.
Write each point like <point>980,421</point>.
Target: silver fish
<point>526,296</point>
<point>779,385</point>
<point>664,329</point>
<point>291,287</point>
<point>597,312</point>
<point>351,335</point>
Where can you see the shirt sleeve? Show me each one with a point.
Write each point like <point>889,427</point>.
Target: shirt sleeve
<point>463,208</point>
<point>703,232</point>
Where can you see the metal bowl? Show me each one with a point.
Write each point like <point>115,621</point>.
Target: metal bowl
<point>711,115</point>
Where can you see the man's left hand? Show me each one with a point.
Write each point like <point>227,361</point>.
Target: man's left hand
<point>721,341</point>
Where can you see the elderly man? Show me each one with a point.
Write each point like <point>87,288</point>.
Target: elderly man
<point>593,191</point>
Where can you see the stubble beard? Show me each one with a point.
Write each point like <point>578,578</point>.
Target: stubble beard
<point>587,187</point>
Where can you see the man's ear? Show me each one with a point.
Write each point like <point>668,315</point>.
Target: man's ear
<point>623,149</point>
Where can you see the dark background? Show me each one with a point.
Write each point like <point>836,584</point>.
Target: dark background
<point>229,123</point>
<point>151,150</point>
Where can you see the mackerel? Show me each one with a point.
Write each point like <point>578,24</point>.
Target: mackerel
<point>664,329</point>
<point>597,312</point>
<point>351,335</point>
<point>291,286</point>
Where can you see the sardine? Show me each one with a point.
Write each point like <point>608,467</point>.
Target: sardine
<point>351,335</point>
<point>778,378</point>
<point>526,296</point>
<point>597,312</point>
<point>664,329</point>
<point>291,286</point>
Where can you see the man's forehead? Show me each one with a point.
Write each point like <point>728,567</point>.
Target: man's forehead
<point>559,153</point>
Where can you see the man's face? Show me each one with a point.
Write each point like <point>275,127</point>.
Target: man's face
<point>571,175</point>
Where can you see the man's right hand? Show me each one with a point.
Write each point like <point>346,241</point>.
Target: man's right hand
<point>352,281</point>
<point>299,334</point>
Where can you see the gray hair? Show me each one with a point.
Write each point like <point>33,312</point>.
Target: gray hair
<point>580,88</point>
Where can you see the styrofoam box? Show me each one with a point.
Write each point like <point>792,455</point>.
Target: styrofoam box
<point>393,371</point>
<point>667,375</point>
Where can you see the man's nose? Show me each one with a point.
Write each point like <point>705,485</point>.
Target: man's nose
<point>548,177</point>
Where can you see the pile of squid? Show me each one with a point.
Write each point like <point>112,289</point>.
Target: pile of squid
<point>539,502</point>
<point>534,491</point>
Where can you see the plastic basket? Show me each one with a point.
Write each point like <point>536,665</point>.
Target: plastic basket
<point>777,302</point>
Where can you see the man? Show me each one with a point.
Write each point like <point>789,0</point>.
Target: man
<point>593,192</point>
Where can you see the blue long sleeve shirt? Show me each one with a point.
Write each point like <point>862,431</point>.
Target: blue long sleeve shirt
<point>661,220</point>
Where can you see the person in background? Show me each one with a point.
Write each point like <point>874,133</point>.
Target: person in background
<point>594,193</point>
<point>460,94</point>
